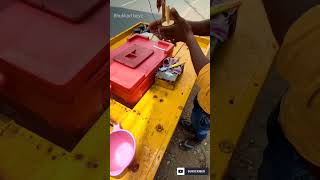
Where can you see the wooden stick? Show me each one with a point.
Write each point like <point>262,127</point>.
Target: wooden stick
<point>163,6</point>
<point>167,21</point>
<point>219,8</point>
<point>168,14</point>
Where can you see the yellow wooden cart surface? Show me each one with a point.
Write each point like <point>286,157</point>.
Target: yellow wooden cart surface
<point>239,73</point>
<point>26,156</point>
<point>154,119</point>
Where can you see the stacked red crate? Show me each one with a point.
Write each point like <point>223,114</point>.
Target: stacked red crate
<point>54,68</point>
<point>133,67</point>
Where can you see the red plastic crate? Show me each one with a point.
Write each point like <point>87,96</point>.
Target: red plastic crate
<point>133,67</point>
<point>54,69</point>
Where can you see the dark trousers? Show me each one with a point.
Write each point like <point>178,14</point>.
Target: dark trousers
<point>280,159</point>
<point>200,121</point>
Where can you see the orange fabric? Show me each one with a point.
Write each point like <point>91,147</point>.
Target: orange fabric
<point>203,81</point>
<point>298,62</point>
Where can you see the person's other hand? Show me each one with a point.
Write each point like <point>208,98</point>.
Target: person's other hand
<point>154,27</point>
<point>179,31</point>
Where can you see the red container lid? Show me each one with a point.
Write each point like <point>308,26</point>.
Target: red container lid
<point>6,3</point>
<point>126,75</point>
<point>54,56</point>
<point>133,56</point>
<point>72,10</point>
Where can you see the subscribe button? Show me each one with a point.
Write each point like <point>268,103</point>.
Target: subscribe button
<point>181,171</point>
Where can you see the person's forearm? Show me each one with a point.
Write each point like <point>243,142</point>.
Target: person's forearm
<point>200,28</point>
<point>199,60</point>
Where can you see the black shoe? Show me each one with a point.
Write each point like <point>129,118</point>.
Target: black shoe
<point>187,125</point>
<point>189,144</point>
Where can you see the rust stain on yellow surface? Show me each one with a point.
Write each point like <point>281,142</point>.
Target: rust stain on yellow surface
<point>26,156</point>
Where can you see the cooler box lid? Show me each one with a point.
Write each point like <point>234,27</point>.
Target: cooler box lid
<point>135,61</point>
<point>133,56</point>
<point>6,3</point>
<point>72,10</point>
<point>55,56</point>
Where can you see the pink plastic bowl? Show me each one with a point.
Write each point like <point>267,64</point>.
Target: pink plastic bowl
<point>122,150</point>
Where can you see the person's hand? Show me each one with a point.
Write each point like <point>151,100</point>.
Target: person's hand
<point>154,27</point>
<point>177,32</point>
<point>159,4</point>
